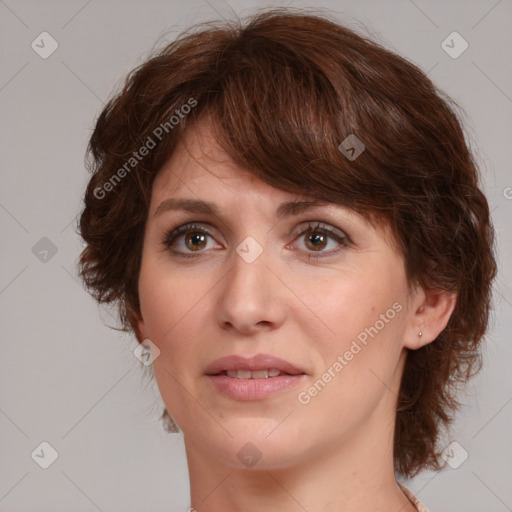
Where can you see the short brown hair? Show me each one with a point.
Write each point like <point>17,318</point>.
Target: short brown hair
<point>283,90</point>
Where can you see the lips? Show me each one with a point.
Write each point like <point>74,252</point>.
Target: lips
<point>256,378</point>
<point>260,362</point>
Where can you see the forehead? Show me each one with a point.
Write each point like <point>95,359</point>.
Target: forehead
<point>199,166</point>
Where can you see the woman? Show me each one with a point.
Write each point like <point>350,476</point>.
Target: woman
<point>289,218</point>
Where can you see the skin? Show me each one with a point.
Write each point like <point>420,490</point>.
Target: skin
<point>335,452</point>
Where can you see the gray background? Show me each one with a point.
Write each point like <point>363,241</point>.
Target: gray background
<point>67,379</point>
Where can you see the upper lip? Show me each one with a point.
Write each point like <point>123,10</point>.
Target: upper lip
<point>255,363</point>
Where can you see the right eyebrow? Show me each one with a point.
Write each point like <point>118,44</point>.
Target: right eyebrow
<point>188,205</point>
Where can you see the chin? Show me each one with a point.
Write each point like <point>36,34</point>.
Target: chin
<point>256,444</point>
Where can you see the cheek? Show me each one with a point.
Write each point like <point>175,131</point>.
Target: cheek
<point>354,302</point>
<point>169,299</point>
<point>356,377</point>
<point>171,305</point>
<point>365,313</point>
<point>177,313</point>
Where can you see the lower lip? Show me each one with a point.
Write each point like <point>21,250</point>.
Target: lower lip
<point>253,389</point>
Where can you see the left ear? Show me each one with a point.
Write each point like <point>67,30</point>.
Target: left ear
<point>431,311</point>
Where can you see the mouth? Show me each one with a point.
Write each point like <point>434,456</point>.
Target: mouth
<point>254,378</point>
<point>256,374</point>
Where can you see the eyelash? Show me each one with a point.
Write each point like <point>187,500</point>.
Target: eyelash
<point>316,226</point>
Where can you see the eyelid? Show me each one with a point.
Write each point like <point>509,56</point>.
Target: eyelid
<point>338,235</point>
<point>171,234</point>
<point>323,226</point>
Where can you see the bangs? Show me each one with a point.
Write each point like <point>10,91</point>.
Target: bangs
<point>282,116</point>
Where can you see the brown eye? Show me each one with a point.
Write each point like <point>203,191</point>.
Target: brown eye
<point>316,241</point>
<point>195,240</point>
<point>188,239</point>
<point>318,237</point>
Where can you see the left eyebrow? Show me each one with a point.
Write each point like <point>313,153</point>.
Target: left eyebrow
<point>291,208</point>
<point>297,207</point>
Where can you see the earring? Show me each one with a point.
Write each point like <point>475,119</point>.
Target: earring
<point>420,334</point>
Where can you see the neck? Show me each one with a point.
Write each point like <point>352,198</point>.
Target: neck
<point>356,475</point>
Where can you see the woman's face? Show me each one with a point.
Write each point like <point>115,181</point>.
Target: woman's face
<point>317,287</point>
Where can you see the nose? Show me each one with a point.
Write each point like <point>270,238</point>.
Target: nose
<point>252,297</point>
